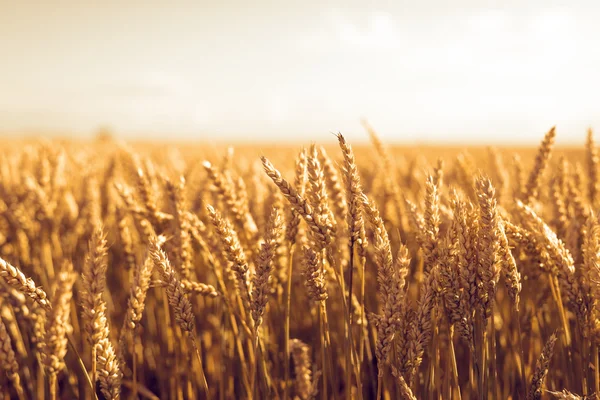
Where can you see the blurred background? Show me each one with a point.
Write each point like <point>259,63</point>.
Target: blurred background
<point>427,72</point>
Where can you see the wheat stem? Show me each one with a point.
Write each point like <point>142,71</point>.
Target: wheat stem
<point>286,322</point>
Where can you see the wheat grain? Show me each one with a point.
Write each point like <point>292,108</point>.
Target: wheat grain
<point>541,370</point>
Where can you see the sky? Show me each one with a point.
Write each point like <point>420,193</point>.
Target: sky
<point>431,71</point>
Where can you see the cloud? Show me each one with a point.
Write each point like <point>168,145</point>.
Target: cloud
<point>338,31</point>
<point>374,30</point>
<point>150,83</point>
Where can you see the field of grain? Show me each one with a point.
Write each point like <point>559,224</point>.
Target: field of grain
<point>149,271</point>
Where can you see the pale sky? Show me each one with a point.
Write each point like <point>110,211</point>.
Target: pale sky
<point>420,71</point>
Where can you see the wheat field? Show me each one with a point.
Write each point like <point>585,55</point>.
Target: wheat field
<point>313,272</point>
